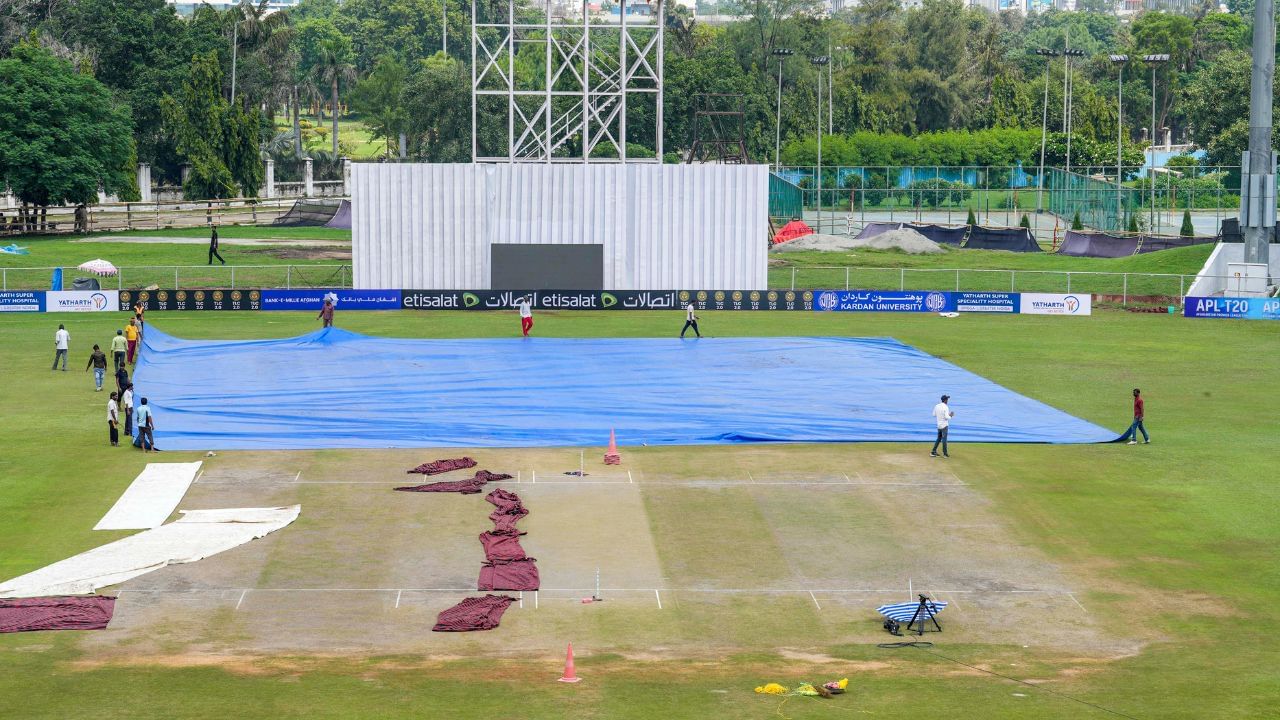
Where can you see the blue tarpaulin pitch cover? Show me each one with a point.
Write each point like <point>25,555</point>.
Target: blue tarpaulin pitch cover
<point>337,389</point>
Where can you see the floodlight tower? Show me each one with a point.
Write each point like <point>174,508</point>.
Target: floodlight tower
<point>1154,61</point>
<point>1258,167</point>
<point>1049,55</point>
<point>1119,61</point>
<point>586,85</point>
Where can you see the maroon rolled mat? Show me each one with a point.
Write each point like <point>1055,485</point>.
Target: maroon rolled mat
<point>508,510</point>
<point>435,467</point>
<point>503,545</point>
<point>470,486</point>
<point>91,612</point>
<point>473,614</point>
<point>509,575</point>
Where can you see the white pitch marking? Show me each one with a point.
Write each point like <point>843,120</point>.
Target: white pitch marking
<point>198,476</point>
<point>910,592</point>
<point>535,599</point>
<point>518,476</point>
<point>815,600</point>
<point>629,479</point>
<point>1077,602</point>
<point>242,594</point>
<point>578,591</point>
<point>398,598</point>
<point>534,473</point>
<point>750,476</point>
<point>295,477</point>
<point>659,596</point>
<point>846,478</point>
<point>521,598</point>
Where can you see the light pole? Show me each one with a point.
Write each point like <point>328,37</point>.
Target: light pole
<point>819,62</point>
<point>1071,89</point>
<point>781,54</point>
<point>1049,55</point>
<point>1154,61</point>
<point>1119,60</point>
<point>831,94</point>
<point>444,26</point>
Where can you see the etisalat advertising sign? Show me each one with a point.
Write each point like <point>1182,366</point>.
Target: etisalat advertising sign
<point>607,300</point>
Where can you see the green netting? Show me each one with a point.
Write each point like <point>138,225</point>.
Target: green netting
<point>1101,205</point>
<point>786,200</point>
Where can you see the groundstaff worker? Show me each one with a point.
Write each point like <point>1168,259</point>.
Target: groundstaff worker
<point>690,321</point>
<point>942,413</point>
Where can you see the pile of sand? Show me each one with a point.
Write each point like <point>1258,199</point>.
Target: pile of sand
<point>906,240</point>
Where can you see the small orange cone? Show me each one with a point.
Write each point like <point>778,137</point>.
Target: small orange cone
<point>611,457</point>
<point>569,675</point>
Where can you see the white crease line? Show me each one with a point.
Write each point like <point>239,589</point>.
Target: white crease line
<point>522,599</point>
<point>534,473</point>
<point>398,598</point>
<point>749,477</point>
<point>846,479</point>
<point>629,478</point>
<point>198,476</point>
<point>246,592</point>
<point>726,591</point>
<point>815,600</point>
<point>659,596</point>
<point>910,592</point>
<point>535,599</point>
<point>518,476</point>
<point>298,475</point>
<point>1077,602</point>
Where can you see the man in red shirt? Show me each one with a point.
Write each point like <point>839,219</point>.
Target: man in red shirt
<point>1138,414</point>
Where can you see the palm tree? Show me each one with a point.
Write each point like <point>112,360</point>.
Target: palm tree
<point>333,67</point>
<point>258,28</point>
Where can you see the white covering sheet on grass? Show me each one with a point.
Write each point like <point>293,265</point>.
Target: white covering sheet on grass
<point>151,498</point>
<point>197,534</point>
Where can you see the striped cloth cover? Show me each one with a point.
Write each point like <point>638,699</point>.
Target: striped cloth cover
<point>903,612</point>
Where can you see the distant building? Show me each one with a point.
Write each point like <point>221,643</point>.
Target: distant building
<point>187,7</point>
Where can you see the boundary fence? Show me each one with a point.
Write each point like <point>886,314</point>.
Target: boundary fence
<point>150,215</point>
<point>191,277</point>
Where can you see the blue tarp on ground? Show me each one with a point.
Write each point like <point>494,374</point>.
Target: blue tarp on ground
<point>337,389</point>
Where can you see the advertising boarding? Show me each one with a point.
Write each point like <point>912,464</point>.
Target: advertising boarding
<point>608,300</point>
<point>21,301</point>
<point>82,300</point>
<point>883,301</point>
<point>164,300</point>
<point>1055,304</point>
<point>313,300</point>
<point>1233,307</point>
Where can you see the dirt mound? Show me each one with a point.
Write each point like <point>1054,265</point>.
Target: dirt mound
<point>905,240</point>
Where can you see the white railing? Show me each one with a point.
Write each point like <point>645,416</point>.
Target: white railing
<point>178,277</point>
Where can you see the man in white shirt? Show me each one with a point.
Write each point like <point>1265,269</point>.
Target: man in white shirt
<point>126,407</point>
<point>113,421</point>
<point>525,305</point>
<point>690,321</point>
<point>942,413</point>
<point>61,341</point>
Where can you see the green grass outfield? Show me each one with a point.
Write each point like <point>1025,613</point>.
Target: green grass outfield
<point>1172,544</point>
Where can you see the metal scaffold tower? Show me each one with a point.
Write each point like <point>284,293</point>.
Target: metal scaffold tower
<point>557,82</point>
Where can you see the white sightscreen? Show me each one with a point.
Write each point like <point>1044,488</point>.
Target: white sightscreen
<point>663,227</point>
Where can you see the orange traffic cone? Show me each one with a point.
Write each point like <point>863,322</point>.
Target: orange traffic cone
<point>569,675</point>
<point>611,457</point>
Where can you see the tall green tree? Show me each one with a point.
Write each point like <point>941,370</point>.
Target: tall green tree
<point>219,141</point>
<point>378,98</point>
<point>333,66</point>
<point>437,101</point>
<point>62,135</point>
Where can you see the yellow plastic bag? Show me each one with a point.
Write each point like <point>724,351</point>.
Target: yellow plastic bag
<point>772,689</point>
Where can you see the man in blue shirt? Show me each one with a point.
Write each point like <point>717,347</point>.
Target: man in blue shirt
<point>143,418</point>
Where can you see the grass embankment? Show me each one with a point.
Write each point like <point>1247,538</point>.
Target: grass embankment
<point>987,270</point>
<point>1172,543</point>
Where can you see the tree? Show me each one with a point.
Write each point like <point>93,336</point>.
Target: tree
<point>971,219</point>
<point>332,66</point>
<point>1075,222</point>
<point>1187,230</point>
<point>1025,222</point>
<point>62,136</point>
<point>219,141</point>
<point>379,99</point>
<point>1133,224</point>
<point>436,99</point>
